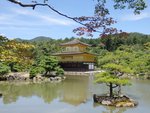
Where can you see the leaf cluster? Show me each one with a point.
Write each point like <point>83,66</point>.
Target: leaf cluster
<point>44,65</point>
<point>15,54</point>
<point>4,69</point>
<point>106,77</point>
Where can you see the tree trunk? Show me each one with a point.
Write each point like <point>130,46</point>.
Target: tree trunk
<point>111,90</point>
<point>46,73</point>
<point>119,90</point>
<point>12,67</point>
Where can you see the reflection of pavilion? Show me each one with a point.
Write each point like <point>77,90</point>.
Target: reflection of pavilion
<point>74,93</point>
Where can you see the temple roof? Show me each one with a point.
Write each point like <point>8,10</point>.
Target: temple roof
<point>75,41</point>
<point>72,53</point>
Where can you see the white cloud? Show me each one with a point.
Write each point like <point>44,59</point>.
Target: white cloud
<point>133,17</point>
<point>57,21</point>
<point>45,18</point>
<point>1,34</point>
<point>30,19</point>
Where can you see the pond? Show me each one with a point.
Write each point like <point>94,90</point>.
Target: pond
<point>74,95</point>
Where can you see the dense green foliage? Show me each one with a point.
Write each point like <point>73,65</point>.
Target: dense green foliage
<point>59,71</point>
<point>16,55</point>
<point>112,42</point>
<point>135,57</point>
<point>128,50</point>
<point>45,65</point>
<point>35,70</point>
<point>114,76</point>
<point>123,59</point>
<point>19,55</point>
<point>4,69</point>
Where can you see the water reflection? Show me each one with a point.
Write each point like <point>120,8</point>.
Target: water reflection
<point>70,91</point>
<point>110,109</point>
<point>74,95</point>
<point>140,91</point>
<point>73,92</point>
<point>11,91</point>
<point>114,110</point>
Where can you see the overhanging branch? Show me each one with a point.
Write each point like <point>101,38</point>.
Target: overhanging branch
<point>39,4</point>
<point>53,9</point>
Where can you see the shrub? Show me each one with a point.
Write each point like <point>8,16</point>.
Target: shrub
<point>4,69</point>
<point>36,70</point>
<point>59,71</point>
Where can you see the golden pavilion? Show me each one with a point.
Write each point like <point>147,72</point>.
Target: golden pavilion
<point>74,56</point>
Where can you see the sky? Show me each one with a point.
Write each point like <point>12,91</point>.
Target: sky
<point>26,23</point>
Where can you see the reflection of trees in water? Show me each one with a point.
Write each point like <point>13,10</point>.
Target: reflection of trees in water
<point>73,91</point>
<point>12,91</point>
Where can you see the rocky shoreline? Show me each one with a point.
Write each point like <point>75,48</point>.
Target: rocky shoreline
<point>39,78</point>
<point>23,76</point>
<point>121,101</point>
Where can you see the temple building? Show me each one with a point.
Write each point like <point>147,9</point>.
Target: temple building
<point>74,56</point>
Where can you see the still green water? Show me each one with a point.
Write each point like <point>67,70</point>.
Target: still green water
<point>74,95</point>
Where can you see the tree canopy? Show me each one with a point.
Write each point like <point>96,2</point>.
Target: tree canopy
<point>13,52</point>
<point>45,65</point>
<point>114,74</point>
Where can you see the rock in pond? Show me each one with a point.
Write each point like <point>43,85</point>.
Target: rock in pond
<point>39,78</point>
<point>106,102</point>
